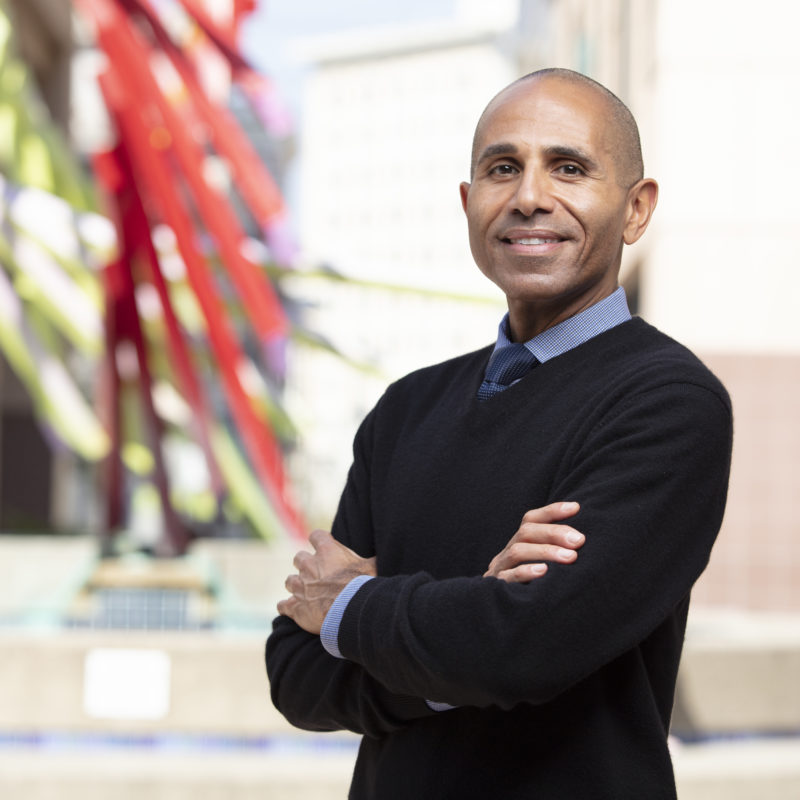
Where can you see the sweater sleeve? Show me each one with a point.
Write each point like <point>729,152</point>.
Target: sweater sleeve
<point>313,689</point>
<point>651,478</point>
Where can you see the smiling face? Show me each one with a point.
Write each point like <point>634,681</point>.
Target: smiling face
<point>548,209</point>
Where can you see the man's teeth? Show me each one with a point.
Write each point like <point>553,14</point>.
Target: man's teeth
<point>533,241</point>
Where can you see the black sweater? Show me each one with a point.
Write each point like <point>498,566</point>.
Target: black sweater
<point>564,686</point>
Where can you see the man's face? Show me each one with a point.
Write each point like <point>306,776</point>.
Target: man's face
<point>546,213</point>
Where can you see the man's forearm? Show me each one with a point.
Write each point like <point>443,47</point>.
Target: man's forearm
<point>317,692</point>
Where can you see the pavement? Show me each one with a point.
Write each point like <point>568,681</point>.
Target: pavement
<point>743,770</point>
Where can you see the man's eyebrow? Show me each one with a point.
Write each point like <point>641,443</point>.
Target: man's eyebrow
<point>499,149</point>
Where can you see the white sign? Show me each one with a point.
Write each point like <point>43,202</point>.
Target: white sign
<point>126,684</point>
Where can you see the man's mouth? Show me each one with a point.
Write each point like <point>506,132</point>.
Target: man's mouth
<point>531,237</point>
<point>532,240</point>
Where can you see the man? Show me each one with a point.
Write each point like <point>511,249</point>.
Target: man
<point>546,680</point>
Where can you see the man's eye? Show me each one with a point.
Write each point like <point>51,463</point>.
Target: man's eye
<point>570,169</point>
<point>503,169</point>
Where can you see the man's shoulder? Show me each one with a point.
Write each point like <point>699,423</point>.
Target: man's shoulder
<point>648,356</point>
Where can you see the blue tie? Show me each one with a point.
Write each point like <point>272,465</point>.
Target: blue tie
<point>506,365</point>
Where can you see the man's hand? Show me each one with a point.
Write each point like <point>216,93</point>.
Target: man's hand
<point>538,540</point>
<point>322,575</point>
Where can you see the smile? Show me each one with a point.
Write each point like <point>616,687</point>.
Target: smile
<point>532,240</point>
<point>531,237</point>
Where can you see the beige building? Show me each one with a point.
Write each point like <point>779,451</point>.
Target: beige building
<point>388,121</point>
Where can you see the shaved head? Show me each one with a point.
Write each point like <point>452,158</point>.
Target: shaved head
<point>624,133</point>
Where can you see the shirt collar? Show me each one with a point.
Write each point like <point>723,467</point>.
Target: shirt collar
<point>602,316</point>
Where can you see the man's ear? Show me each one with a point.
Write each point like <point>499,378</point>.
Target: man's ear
<point>464,192</point>
<point>642,198</point>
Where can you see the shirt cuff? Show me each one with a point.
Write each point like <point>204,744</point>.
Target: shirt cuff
<point>434,706</point>
<point>329,633</point>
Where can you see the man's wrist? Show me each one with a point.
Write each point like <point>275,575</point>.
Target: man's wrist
<point>329,633</point>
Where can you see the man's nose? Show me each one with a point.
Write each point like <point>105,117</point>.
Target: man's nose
<point>533,193</point>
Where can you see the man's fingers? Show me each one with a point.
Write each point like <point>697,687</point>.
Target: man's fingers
<point>552,513</point>
<point>540,537</point>
<point>286,606</point>
<point>524,573</point>
<point>319,539</point>
<point>293,584</point>
<point>520,553</point>
<point>542,533</point>
<point>300,558</point>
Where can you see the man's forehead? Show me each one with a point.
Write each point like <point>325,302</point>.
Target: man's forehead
<point>547,98</point>
<point>571,115</point>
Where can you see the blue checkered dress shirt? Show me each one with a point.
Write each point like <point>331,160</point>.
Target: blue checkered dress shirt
<point>590,322</point>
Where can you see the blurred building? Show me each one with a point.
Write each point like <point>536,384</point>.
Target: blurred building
<point>386,136</point>
<point>389,116</point>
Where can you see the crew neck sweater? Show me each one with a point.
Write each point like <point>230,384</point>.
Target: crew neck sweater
<point>563,687</point>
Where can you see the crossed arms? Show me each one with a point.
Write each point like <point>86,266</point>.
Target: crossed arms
<point>316,691</point>
<point>323,574</point>
<point>649,516</point>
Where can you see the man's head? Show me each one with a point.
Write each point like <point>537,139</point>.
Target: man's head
<point>556,189</point>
